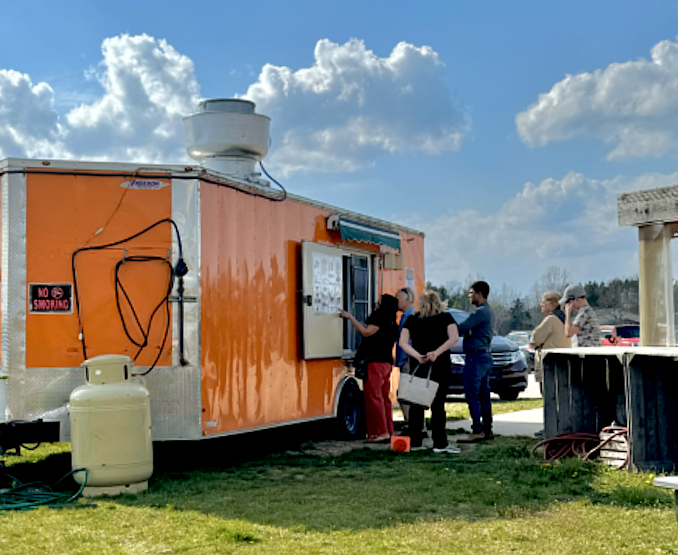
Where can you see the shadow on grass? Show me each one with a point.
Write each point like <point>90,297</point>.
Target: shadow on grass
<point>48,471</point>
<point>277,478</point>
<point>274,480</point>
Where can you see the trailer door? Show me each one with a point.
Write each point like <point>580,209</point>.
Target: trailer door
<point>322,298</point>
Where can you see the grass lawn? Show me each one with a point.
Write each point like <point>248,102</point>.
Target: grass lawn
<point>458,410</point>
<point>231,496</point>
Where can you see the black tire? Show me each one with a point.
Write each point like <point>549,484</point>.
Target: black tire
<point>350,420</point>
<point>510,395</point>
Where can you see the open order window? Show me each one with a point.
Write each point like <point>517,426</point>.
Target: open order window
<point>357,297</point>
<point>333,278</point>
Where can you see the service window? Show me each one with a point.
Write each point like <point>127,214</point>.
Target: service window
<point>322,298</point>
<point>334,278</point>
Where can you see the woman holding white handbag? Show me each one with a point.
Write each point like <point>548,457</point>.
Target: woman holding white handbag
<point>432,332</point>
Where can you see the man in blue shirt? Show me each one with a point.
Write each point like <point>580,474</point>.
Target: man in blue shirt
<point>405,299</point>
<point>477,333</point>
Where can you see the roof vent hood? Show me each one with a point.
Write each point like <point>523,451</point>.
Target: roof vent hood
<point>227,137</point>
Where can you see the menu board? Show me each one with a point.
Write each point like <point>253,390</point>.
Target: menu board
<point>327,283</point>
<point>409,278</point>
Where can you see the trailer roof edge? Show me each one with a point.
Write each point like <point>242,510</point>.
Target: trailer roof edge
<point>8,164</point>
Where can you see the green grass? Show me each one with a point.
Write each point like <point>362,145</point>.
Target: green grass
<point>217,499</point>
<point>458,410</point>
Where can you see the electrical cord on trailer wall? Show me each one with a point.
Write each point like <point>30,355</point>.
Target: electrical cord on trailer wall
<point>165,301</point>
<point>180,269</point>
<point>274,181</point>
<point>119,288</point>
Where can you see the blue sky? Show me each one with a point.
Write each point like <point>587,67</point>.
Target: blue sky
<point>457,118</point>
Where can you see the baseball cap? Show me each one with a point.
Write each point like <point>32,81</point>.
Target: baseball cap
<point>572,292</point>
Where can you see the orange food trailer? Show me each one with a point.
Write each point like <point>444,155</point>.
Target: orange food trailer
<point>224,290</point>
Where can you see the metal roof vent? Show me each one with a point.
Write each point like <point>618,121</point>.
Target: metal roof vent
<point>227,137</point>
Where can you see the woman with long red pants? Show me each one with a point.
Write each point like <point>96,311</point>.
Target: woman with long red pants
<point>379,335</point>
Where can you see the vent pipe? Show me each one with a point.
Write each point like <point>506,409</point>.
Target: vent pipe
<point>226,136</point>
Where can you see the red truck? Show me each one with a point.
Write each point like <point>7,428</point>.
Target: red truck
<point>621,336</point>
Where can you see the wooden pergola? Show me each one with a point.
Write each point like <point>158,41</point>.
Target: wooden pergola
<point>655,213</point>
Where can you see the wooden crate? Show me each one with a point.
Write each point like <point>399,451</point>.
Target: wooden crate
<point>587,389</point>
<point>652,384</point>
<point>584,390</point>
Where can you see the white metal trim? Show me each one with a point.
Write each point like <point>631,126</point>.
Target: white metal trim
<point>256,428</point>
<point>13,287</point>
<point>9,164</point>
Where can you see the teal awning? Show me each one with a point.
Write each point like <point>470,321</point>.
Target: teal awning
<point>357,231</point>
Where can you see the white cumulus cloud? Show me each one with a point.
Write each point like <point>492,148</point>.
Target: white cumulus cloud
<point>352,106</point>
<point>569,222</point>
<point>342,113</point>
<point>147,88</point>
<point>28,122</point>
<point>631,105</point>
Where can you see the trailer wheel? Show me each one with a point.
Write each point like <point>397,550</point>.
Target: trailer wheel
<point>350,420</point>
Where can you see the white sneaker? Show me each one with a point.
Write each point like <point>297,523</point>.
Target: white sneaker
<point>448,450</point>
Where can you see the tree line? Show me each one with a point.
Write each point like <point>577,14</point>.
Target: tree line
<point>616,300</point>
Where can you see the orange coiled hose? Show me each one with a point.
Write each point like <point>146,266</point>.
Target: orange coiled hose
<point>579,444</point>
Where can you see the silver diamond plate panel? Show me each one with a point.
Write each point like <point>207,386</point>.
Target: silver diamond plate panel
<point>43,393</point>
<point>185,212</point>
<point>176,408</point>
<point>13,286</point>
<point>174,392</point>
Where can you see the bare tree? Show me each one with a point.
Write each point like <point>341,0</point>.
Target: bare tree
<point>555,278</point>
<point>502,319</point>
<point>505,295</point>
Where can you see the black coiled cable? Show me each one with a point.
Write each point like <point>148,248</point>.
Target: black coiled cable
<point>181,269</point>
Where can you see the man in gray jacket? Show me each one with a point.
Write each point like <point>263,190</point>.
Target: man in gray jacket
<point>477,333</point>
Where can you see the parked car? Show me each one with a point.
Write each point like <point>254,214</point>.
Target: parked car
<point>509,372</point>
<point>522,339</point>
<point>621,336</point>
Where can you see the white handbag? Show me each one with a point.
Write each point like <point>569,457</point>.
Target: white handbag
<point>418,391</point>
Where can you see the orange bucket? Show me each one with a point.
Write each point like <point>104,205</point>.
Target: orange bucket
<point>401,444</point>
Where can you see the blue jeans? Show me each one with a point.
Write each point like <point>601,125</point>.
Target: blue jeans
<point>477,388</point>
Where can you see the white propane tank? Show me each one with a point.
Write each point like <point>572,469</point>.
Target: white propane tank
<point>111,428</point>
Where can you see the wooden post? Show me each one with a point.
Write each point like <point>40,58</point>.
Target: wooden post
<point>656,284</point>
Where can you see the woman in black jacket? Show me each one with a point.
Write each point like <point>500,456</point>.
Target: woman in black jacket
<point>379,335</point>
<point>433,332</point>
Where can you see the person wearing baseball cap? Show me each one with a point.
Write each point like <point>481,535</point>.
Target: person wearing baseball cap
<point>584,326</point>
